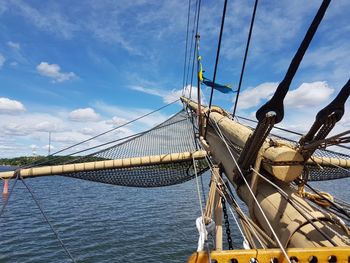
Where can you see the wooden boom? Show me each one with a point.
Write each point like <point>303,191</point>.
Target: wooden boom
<point>108,164</point>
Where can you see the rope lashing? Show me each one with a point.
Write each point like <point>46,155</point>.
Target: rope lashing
<point>275,104</point>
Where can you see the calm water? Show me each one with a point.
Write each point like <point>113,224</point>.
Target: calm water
<point>105,223</point>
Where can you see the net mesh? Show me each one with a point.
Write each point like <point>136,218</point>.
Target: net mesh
<point>318,173</point>
<point>175,135</point>
<point>326,171</point>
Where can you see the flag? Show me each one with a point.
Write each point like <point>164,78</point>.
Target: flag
<point>226,88</point>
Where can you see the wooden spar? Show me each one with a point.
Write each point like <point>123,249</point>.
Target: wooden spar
<point>292,228</point>
<point>328,161</point>
<point>284,152</point>
<point>108,164</point>
<point>239,134</point>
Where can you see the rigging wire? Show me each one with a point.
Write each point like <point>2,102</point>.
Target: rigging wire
<point>211,165</point>
<point>194,52</point>
<point>201,207</point>
<point>44,160</point>
<point>245,56</point>
<point>217,60</point>
<point>124,140</point>
<point>288,199</point>
<point>252,194</point>
<point>275,127</point>
<point>286,130</point>
<point>48,221</point>
<point>10,193</point>
<point>186,48</point>
<point>338,208</point>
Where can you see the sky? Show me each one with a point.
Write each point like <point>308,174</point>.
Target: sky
<point>77,68</point>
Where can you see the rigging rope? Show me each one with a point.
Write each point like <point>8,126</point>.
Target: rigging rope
<point>237,207</point>
<point>275,104</point>
<point>331,202</point>
<point>10,193</point>
<point>252,194</point>
<point>194,51</point>
<point>289,200</point>
<point>217,60</point>
<point>186,48</point>
<point>245,56</point>
<point>45,161</point>
<point>48,221</point>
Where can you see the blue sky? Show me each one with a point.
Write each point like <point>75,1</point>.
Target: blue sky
<point>77,68</point>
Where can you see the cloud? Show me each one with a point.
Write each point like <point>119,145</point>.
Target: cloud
<point>150,91</point>
<point>55,22</point>
<point>308,95</point>
<point>172,95</point>
<point>13,45</point>
<point>28,124</point>
<point>84,115</point>
<point>132,113</point>
<point>116,121</point>
<point>2,60</point>
<point>253,97</point>
<point>32,128</point>
<point>47,147</point>
<point>8,106</point>
<point>54,71</point>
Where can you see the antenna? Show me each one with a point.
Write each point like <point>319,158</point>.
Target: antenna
<point>49,148</point>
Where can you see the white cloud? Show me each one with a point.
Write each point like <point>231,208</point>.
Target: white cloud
<point>172,95</point>
<point>132,113</point>
<point>32,128</point>
<point>116,121</point>
<point>253,97</point>
<point>150,91</point>
<point>84,115</point>
<point>47,146</point>
<point>8,106</point>
<point>28,124</point>
<point>54,71</point>
<point>308,95</point>
<point>2,60</point>
<point>13,45</point>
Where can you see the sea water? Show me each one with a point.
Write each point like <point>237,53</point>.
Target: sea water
<point>107,223</point>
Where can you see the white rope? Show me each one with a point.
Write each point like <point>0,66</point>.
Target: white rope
<point>198,188</point>
<point>251,192</point>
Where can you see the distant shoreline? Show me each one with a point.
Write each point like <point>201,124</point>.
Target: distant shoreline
<point>45,160</point>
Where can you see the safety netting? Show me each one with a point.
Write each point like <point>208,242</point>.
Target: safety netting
<point>175,135</point>
<point>326,171</point>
